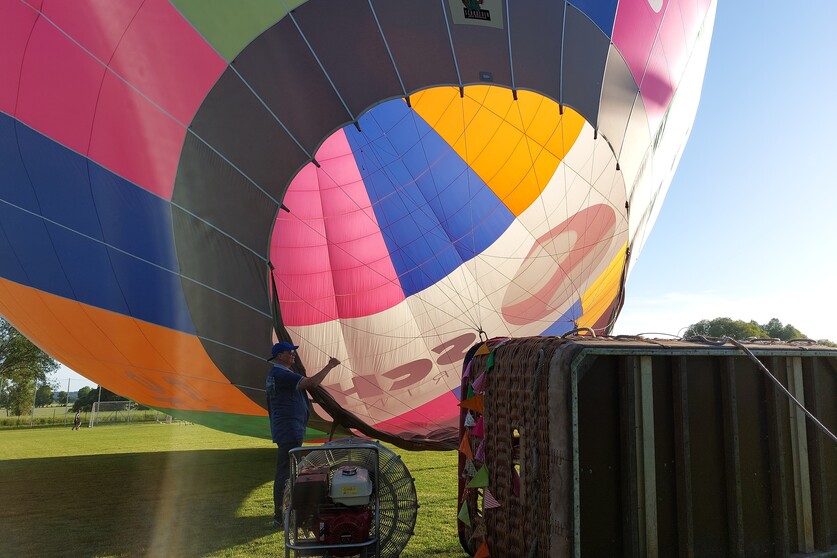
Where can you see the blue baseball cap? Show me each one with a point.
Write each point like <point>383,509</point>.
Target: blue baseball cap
<point>282,347</point>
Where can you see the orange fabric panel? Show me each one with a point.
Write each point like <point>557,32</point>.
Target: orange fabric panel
<point>515,146</point>
<point>601,294</point>
<point>150,364</point>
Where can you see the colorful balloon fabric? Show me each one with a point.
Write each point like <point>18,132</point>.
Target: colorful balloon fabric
<point>413,177</point>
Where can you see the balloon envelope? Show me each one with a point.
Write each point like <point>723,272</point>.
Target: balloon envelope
<point>413,178</point>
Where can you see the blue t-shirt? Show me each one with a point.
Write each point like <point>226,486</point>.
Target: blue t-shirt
<point>286,405</point>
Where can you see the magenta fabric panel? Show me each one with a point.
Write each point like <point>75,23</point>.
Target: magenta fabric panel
<point>365,281</point>
<point>15,27</point>
<point>634,32</point>
<point>97,25</point>
<point>673,39</point>
<point>134,139</point>
<point>351,274</point>
<point>167,60</point>
<point>59,84</point>
<point>299,252</point>
<point>656,87</point>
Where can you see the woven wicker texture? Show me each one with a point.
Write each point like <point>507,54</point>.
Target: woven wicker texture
<point>516,422</point>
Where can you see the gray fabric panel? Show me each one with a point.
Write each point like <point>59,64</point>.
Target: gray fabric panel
<point>585,55</point>
<point>618,96</point>
<point>347,41</point>
<point>210,258</point>
<point>209,187</point>
<point>482,49</point>
<point>418,39</point>
<point>234,122</point>
<point>536,45</point>
<point>246,371</point>
<point>310,109</point>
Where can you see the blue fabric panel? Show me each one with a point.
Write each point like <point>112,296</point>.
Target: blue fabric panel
<point>153,294</point>
<point>434,212</point>
<point>566,322</point>
<point>134,219</point>
<point>59,177</point>
<point>88,269</point>
<point>32,260</point>
<point>14,182</point>
<point>600,12</point>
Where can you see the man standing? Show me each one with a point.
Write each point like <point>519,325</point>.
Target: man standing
<point>287,406</point>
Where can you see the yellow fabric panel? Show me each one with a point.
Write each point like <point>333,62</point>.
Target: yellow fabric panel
<point>515,147</point>
<point>601,294</point>
<point>150,364</point>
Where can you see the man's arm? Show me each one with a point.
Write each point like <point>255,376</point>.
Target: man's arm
<point>317,379</point>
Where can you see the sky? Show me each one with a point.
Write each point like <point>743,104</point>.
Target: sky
<point>749,226</point>
<point>749,223</point>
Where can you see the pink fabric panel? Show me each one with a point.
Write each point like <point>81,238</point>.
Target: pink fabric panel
<point>634,32</point>
<point>134,139</point>
<point>331,259</point>
<point>97,25</point>
<point>300,253</point>
<point>59,84</point>
<point>673,40</point>
<point>167,60</point>
<point>15,27</point>
<point>656,87</point>
<point>429,414</point>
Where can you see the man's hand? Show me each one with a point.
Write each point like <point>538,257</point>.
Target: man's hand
<point>317,379</point>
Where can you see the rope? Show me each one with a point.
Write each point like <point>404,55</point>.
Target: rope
<point>776,381</point>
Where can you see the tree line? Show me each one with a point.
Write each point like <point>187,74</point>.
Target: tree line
<point>740,330</point>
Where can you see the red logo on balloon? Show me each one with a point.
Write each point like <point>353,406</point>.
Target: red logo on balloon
<point>551,270</point>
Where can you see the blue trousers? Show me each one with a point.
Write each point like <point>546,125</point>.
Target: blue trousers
<point>283,473</point>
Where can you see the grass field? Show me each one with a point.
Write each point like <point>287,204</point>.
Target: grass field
<point>171,490</point>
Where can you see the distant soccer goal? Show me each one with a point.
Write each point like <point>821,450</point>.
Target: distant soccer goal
<point>111,411</point>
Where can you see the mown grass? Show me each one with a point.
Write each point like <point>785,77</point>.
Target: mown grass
<point>171,490</point>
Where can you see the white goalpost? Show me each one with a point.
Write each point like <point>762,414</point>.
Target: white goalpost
<point>111,411</point>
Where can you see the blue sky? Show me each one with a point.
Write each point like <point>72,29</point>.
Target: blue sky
<point>748,227</point>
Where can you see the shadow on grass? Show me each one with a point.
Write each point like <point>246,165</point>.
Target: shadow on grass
<point>181,503</point>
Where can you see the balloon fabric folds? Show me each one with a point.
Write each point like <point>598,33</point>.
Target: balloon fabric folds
<point>381,181</point>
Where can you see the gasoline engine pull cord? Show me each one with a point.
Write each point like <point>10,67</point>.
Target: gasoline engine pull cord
<point>779,384</point>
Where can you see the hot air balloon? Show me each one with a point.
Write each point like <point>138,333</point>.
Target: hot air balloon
<point>384,181</point>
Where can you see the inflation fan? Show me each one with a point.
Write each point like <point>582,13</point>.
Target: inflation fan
<point>348,498</point>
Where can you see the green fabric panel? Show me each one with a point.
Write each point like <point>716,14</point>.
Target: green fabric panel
<point>230,26</point>
<point>245,425</point>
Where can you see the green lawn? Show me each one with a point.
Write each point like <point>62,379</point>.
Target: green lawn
<point>171,490</point>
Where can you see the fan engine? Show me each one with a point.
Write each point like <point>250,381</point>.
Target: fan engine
<point>341,496</point>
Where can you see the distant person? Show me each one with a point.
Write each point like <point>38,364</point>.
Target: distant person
<point>287,406</point>
<point>77,421</point>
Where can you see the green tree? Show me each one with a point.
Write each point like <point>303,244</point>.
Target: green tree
<point>22,364</point>
<point>725,327</point>
<point>82,393</point>
<point>43,396</point>
<point>776,330</point>
<point>61,397</point>
<point>86,403</point>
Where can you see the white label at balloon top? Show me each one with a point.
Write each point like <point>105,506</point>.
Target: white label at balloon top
<point>656,5</point>
<point>485,13</point>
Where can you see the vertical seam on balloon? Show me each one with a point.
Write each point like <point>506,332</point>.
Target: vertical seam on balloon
<point>88,162</point>
<point>319,63</point>
<point>563,53</point>
<point>450,39</point>
<point>273,114</point>
<point>511,58</point>
<point>386,44</point>
<point>38,16</point>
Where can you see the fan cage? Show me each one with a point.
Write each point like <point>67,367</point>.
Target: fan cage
<point>397,502</point>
